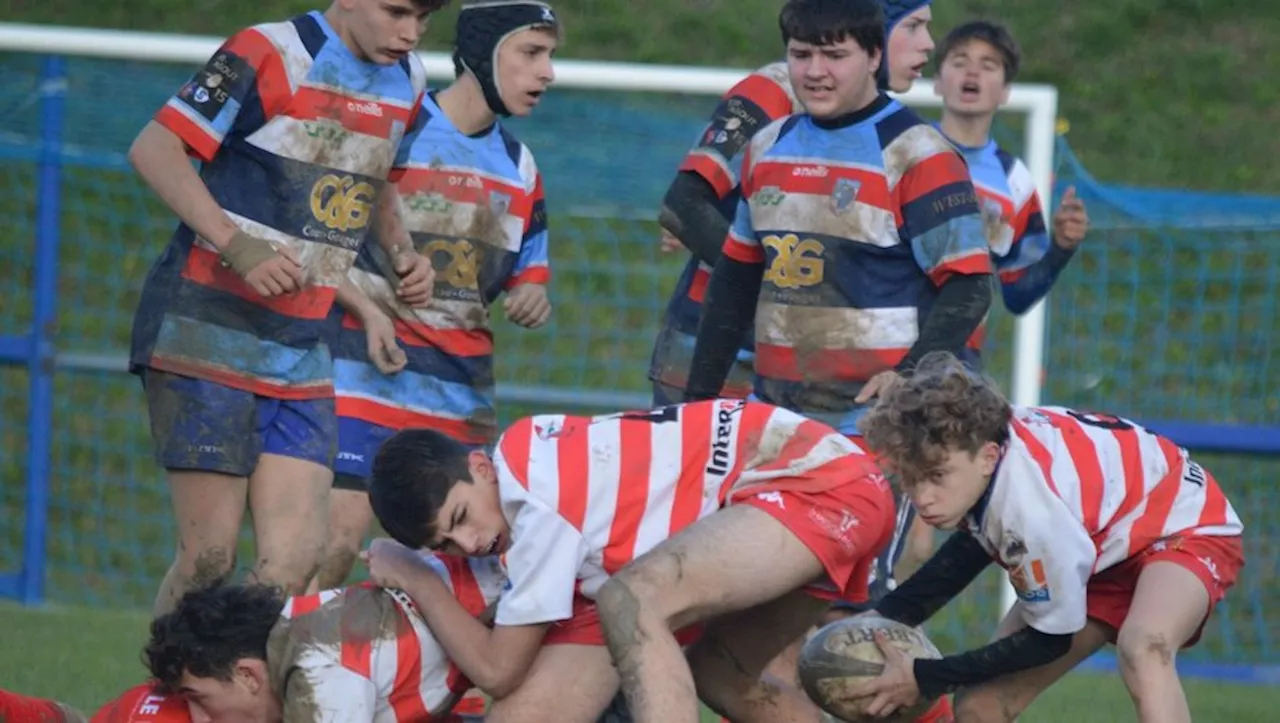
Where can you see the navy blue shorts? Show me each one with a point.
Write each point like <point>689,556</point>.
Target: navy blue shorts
<point>199,425</point>
<point>358,443</point>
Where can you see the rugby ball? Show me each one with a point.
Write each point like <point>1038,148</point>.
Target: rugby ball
<point>843,654</point>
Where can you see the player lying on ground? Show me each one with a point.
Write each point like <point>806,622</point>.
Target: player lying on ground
<point>297,125</point>
<point>721,510</point>
<point>1109,533</point>
<point>976,66</point>
<point>473,203</point>
<point>701,201</point>
<point>359,654</point>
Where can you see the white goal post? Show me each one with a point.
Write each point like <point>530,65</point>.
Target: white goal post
<point>1038,102</point>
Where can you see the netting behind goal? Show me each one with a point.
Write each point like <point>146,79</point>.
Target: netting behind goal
<point>1159,316</point>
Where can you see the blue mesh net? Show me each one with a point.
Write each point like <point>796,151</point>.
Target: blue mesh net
<point>1170,312</point>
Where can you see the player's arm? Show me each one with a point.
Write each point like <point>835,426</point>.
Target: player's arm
<point>943,223</point>
<point>247,71</point>
<point>1035,260</point>
<point>542,565</point>
<point>693,209</point>
<point>527,303</point>
<point>1054,573</point>
<point>946,574</point>
<point>379,329</point>
<point>729,309</point>
<point>956,564</point>
<point>416,276</point>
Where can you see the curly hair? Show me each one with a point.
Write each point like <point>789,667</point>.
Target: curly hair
<point>941,406</point>
<point>211,628</point>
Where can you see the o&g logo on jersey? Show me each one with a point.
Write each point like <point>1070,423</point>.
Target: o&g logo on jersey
<point>797,262</point>
<point>341,204</point>
<point>460,269</point>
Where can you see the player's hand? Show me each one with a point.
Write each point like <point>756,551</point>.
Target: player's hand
<point>875,385</point>
<point>895,687</point>
<point>269,268</point>
<point>417,277</point>
<point>528,305</point>
<point>380,336</point>
<point>391,564</point>
<point>669,244</point>
<point>1071,222</point>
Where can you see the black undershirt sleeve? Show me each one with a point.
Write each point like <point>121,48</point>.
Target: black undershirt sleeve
<point>1025,649</point>
<point>692,212</point>
<point>943,576</point>
<point>727,316</point>
<point>963,300</point>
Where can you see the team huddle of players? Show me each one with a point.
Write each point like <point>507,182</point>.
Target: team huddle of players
<point>315,341</point>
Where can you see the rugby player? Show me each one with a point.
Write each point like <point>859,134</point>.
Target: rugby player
<point>359,654</point>
<point>976,66</point>
<point>473,203</point>
<point>723,512</point>
<point>1109,533</point>
<point>297,126</point>
<point>701,201</point>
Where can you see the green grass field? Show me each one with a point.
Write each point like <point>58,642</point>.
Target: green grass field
<point>84,657</point>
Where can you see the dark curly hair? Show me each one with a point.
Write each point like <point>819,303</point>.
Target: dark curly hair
<point>211,628</point>
<point>938,407</point>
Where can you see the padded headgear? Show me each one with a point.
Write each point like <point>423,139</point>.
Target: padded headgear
<point>894,12</point>
<point>482,27</point>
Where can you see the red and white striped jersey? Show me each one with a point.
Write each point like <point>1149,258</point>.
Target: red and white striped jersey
<point>1076,493</point>
<point>586,495</point>
<point>364,655</point>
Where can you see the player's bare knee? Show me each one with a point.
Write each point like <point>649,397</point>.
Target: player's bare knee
<point>645,585</point>
<point>1141,650</point>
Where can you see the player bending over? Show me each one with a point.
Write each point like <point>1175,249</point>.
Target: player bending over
<point>297,125</point>
<point>1109,533</point>
<point>722,510</point>
<point>701,201</point>
<point>473,203</point>
<point>976,65</point>
<point>360,654</point>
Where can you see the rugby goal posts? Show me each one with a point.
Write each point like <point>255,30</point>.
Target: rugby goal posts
<point>1037,103</point>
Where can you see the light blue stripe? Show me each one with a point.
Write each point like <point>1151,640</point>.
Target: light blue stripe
<point>407,388</point>
<point>243,352</point>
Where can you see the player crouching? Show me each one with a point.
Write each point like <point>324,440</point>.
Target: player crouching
<point>243,652</point>
<point>1110,533</point>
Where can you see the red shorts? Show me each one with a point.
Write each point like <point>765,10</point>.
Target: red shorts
<point>1215,560</point>
<point>584,627</point>
<point>844,525</point>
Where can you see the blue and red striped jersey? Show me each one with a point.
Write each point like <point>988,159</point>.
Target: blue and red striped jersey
<point>475,206</point>
<point>296,136</point>
<point>857,226</point>
<point>753,103</point>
